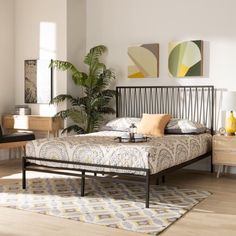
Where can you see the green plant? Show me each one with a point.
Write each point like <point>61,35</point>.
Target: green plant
<point>87,111</point>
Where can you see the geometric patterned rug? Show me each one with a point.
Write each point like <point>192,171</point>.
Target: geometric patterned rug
<point>105,203</point>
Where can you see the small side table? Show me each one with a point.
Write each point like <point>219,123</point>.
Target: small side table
<point>51,125</point>
<point>224,152</point>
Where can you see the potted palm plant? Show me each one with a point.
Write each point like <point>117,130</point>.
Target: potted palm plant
<point>87,109</point>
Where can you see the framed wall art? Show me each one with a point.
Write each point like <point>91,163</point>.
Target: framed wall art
<point>38,81</point>
<point>185,58</point>
<point>143,61</point>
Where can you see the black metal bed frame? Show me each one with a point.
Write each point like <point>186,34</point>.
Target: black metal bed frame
<point>190,102</point>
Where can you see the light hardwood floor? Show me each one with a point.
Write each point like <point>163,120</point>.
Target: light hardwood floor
<point>216,215</point>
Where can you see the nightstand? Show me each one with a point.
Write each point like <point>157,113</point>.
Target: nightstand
<point>224,151</point>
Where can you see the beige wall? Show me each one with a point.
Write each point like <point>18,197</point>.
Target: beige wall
<point>7,63</point>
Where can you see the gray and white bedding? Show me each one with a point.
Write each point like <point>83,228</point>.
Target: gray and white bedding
<point>157,154</point>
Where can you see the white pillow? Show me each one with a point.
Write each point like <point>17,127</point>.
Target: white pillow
<point>184,126</point>
<point>121,124</point>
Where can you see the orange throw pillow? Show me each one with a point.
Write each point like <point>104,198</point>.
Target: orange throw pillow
<point>153,124</point>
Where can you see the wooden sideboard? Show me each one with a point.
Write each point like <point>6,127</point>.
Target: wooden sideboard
<point>224,151</point>
<point>48,124</point>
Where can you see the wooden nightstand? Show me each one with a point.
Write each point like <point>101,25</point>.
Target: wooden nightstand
<point>47,124</point>
<point>224,151</point>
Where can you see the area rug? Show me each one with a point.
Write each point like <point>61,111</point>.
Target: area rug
<point>110,204</point>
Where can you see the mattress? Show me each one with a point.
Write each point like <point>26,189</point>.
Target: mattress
<point>157,154</point>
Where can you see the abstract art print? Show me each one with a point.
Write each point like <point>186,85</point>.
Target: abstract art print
<point>143,61</point>
<point>38,81</point>
<point>186,58</point>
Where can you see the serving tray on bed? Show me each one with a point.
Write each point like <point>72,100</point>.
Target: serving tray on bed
<point>134,140</point>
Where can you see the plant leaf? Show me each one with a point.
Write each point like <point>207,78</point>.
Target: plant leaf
<point>94,54</point>
<point>62,97</point>
<point>77,76</point>
<point>74,128</point>
<point>87,110</point>
<point>107,110</point>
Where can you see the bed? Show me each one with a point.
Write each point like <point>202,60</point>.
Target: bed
<point>98,155</point>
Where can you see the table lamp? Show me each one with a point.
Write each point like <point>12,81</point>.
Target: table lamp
<point>229,104</point>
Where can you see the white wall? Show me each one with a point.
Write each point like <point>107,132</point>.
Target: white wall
<point>76,42</point>
<point>120,24</point>
<point>69,19</point>
<point>7,55</point>
<point>32,41</point>
<point>76,38</point>
<point>33,29</point>
<point>7,64</point>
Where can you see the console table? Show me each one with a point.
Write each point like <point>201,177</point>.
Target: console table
<point>51,125</point>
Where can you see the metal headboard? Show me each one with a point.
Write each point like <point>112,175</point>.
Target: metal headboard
<point>195,103</point>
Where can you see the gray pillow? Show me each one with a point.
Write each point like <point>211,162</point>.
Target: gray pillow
<point>184,126</point>
<point>121,124</point>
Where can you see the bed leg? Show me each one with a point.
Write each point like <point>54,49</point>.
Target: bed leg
<point>147,186</point>
<point>23,172</point>
<point>82,183</point>
<point>157,180</point>
<point>163,178</point>
<point>212,166</point>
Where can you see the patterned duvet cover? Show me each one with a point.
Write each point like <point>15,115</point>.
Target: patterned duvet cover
<point>100,148</point>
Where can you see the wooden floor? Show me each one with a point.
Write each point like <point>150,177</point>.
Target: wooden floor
<point>216,215</point>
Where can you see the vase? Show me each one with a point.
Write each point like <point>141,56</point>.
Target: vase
<point>230,125</point>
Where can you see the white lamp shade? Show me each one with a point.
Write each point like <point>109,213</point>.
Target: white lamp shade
<point>229,101</point>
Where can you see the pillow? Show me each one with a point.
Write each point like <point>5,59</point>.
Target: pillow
<point>121,124</point>
<point>184,126</point>
<point>153,124</point>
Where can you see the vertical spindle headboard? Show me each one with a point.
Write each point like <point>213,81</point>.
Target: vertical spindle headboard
<point>195,103</point>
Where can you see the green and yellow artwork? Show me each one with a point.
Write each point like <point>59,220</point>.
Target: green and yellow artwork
<point>143,61</point>
<point>186,58</point>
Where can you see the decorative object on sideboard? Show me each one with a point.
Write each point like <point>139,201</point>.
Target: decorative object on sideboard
<point>22,110</point>
<point>143,61</point>
<point>229,104</point>
<point>38,81</point>
<point>186,58</point>
<point>222,131</point>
